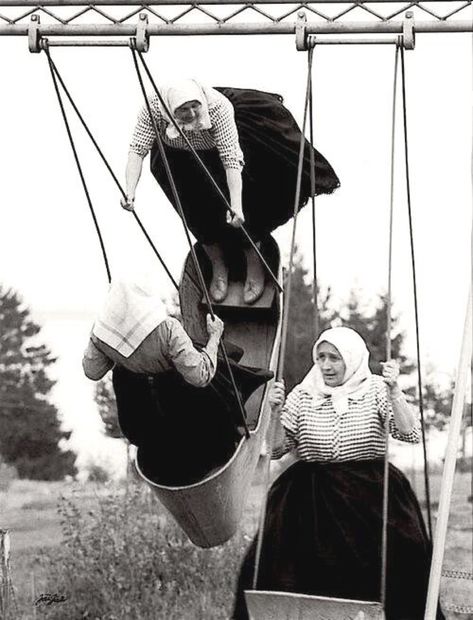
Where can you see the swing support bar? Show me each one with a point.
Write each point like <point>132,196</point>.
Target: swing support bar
<point>174,29</point>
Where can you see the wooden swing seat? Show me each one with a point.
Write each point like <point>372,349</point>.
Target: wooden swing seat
<point>210,510</point>
<point>234,298</point>
<point>265,605</point>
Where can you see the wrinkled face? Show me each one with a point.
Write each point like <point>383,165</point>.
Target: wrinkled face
<point>331,364</point>
<point>188,112</point>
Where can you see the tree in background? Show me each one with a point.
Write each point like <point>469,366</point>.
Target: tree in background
<point>30,431</point>
<point>107,407</point>
<point>372,325</point>
<point>301,332</point>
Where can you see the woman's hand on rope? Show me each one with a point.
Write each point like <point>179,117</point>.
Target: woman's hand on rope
<point>391,374</point>
<point>127,203</point>
<point>277,396</point>
<point>235,218</point>
<point>215,326</point>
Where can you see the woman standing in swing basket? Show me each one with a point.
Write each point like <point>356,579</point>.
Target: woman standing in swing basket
<point>322,533</point>
<point>250,144</point>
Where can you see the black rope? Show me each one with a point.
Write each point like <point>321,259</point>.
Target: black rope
<point>206,171</point>
<point>285,322</point>
<point>79,167</point>
<point>414,280</point>
<point>109,168</point>
<point>177,200</point>
<point>312,192</point>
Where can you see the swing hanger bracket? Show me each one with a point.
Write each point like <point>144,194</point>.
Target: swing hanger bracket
<point>34,37</point>
<point>408,32</point>
<point>302,38</point>
<point>141,41</point>
<point>37,42</point>
<point>306,41</point>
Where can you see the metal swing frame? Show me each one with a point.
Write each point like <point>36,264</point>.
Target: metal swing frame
<point>364,21</point>
<point>118,20</point>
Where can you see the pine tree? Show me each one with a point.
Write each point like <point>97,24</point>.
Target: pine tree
<point>107,407</point>
<point>301,332</point>
<point>372,326</point>
<point>30,432</point>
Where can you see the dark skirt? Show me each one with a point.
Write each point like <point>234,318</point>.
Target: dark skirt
<point>182,431</point>
<point>270,140</point>
<point>323,537</point>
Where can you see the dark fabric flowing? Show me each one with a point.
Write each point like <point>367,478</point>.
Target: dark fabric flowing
<point>323,537</point>
<point>270,140</point>
<point>182,432</point>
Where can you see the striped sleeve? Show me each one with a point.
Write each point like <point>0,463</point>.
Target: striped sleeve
<point>385,408</point>
<point>225,134</point>
<point>290,422</point>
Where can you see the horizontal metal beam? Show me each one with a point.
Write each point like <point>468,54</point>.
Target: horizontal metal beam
<point>128,30</point>
<point>35,3</point>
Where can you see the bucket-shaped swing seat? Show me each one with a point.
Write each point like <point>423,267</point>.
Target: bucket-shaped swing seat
<point>210,509</point>
<point>264,605</point>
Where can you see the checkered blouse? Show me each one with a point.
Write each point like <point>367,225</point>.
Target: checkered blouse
<point>223,135</point>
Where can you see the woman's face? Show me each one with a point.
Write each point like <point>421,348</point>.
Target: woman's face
<point>188,112</point>
<point>331,364</point>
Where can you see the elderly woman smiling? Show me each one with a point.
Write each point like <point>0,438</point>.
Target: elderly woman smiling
<point>250,144</point>
<point>322,533</point>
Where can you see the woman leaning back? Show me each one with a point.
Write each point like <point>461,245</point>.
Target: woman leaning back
<point>322,533</point>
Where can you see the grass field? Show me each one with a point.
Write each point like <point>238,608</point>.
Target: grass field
<point>30,511</point>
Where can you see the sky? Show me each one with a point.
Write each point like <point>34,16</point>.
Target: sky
<point>48,247</point>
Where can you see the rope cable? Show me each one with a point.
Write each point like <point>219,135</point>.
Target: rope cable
<point>186,230</point>
<point>285,322</point>
<point>79,167</point>
<point>312,196</point>
<point>109,168</point>
<point>416,308</point>
<point>384,536</point>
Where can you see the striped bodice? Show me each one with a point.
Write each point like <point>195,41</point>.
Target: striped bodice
<point>318,433</point>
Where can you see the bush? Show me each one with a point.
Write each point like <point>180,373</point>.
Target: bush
<point>97,473</point>
<point>8,474</point>
<point>125,559</point>
<point>464,464</point>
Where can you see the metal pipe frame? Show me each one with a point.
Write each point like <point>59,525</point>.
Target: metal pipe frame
<point>332,28</point>
<point>319,24</point>
<point>302,4</point>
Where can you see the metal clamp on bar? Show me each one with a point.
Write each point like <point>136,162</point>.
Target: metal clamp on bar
<point>301,32</point>
<point>142,36</point>
<point>34,38</point>
<point>408,33</point>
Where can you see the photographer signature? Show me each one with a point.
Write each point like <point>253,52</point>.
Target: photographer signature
<point>50,599</point>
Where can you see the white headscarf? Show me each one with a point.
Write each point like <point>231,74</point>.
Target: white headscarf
<point>357,378</point>
<point>181,91</point>
<point>130,314</point>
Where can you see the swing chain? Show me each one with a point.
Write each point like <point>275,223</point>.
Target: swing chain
<point>305,42</point>
<point>37,43</point>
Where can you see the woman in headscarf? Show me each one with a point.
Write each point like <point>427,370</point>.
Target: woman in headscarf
<point>175,399</point>
<point>133,331</point>
<point>250,144</point>
<point>322,533</point>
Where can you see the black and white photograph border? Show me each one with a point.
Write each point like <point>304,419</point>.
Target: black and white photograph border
<point>384,91</point>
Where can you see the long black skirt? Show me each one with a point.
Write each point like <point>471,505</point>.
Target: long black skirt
<point>270,140</point>
<point>322,536</point>
<point>182,431</point>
